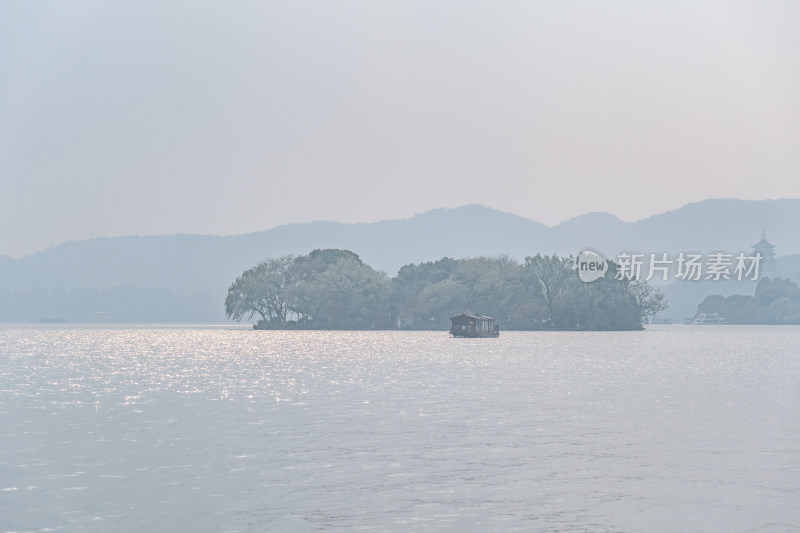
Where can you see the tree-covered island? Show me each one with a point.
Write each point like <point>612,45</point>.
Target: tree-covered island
<point>335,289</point>
<point>776,301</point>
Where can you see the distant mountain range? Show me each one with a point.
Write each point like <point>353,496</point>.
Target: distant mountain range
<point>188,265</point>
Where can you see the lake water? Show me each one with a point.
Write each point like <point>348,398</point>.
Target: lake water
<point>676,428</point>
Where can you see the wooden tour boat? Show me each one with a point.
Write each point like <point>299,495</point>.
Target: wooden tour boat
<point>474,326</point>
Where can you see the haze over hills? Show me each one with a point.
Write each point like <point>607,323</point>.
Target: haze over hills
<point>197,269</point>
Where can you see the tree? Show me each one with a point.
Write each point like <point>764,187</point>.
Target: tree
<point>649,301</point>
<point>407,287</point>
<point>550,273</point>
<point>769,290</point>
<point>440,301</point>
<point>262,290</point>
<point>345,294</point>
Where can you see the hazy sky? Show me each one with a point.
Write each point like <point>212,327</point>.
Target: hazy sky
<point>227,117</point>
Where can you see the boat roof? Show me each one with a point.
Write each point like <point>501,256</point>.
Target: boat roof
<point>472,316</point>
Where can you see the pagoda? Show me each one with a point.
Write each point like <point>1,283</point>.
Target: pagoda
<point>768,268</point>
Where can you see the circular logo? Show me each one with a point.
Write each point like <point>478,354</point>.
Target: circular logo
<point>591,265</point>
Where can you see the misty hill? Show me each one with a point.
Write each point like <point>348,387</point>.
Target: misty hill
<point>188,265</point>
<point>724,224</point>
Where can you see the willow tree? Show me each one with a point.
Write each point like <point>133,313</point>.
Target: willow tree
<point>262,290</point>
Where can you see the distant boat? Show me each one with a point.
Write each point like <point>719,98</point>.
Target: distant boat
<point>705,319</point>
<point>473,326</point>
<point>52,320</point>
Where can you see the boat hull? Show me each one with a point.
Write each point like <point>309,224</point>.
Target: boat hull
<point>475,334</point>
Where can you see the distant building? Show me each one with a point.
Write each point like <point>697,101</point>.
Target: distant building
<point>768,267</point>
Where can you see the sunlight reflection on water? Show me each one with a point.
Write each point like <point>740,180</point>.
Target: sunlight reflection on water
<point>670,429</point>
